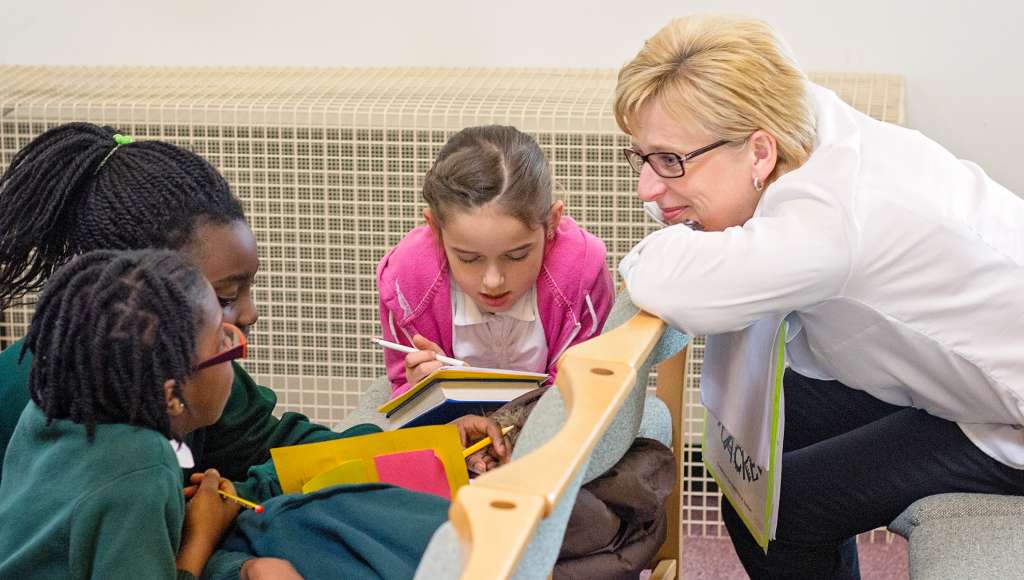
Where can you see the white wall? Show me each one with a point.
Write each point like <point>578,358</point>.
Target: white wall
<point>963,66</point>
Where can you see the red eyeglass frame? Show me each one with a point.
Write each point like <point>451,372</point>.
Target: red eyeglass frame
<point>239,351</point>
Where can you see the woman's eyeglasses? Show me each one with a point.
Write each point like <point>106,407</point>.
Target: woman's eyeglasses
<point>667,165</point>
<point>234,346</point>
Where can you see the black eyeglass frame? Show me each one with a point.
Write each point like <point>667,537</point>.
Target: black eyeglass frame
<point>630,155</point>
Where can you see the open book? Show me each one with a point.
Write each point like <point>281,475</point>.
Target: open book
<point>741,387</point>
<point>451,392</point>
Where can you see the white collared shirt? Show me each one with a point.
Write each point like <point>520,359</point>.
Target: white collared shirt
<point>900,266</point>
<point>512,340</point>
<point>183,453</point>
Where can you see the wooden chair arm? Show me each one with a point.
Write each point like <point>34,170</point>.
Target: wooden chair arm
<point>496,515</point>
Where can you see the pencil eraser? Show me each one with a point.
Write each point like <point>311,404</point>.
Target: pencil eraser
<point>259,509</point>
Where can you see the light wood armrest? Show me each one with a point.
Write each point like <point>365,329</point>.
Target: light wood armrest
<point>502,508</point>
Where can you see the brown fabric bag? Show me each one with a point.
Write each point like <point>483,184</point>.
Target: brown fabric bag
<point>618,521</point>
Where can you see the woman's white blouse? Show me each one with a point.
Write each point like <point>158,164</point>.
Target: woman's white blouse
<point>902,266</point>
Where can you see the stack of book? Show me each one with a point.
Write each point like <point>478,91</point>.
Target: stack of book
<point>453,391</point>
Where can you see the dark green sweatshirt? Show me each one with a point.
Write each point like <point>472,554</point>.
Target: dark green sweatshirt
<point>240,440</point>
<point>71,508</point>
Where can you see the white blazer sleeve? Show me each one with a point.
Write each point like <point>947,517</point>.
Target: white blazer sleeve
<point>793,253</point>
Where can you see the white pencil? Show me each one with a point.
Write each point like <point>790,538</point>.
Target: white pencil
<point>407,349</point>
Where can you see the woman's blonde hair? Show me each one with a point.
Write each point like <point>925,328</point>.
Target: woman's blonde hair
<point>730,76</point>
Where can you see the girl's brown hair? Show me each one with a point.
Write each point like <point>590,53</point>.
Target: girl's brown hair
<point>491,164</point>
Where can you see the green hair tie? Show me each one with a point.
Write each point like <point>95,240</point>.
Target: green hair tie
<point>120,140</point>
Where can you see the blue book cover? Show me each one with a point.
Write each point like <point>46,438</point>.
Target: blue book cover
<point>451,410</point>
<point>449,400</point>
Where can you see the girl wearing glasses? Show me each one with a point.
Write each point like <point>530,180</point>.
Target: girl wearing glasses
<point>80,187</point>
<point>131,352</point>
<point>898,267</point>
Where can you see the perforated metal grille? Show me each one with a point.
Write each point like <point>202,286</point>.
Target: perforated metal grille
<point>329,164</point>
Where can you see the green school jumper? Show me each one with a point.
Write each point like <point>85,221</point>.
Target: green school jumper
<point>70,508</point>
<point>240,440</point>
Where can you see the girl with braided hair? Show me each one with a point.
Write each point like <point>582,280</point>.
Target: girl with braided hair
<point>80,187</point>
<point>130,351</point>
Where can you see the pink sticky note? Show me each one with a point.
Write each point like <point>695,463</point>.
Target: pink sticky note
<point>419,470</point>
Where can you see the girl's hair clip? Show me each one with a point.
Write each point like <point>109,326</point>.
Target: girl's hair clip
<point>119,139</point>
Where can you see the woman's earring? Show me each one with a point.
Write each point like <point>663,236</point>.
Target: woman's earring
<point>758,186</point>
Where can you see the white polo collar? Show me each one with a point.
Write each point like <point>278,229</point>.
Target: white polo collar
<point>466,312</point>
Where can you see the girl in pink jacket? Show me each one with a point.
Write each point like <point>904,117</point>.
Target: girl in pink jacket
<point>497,277</point>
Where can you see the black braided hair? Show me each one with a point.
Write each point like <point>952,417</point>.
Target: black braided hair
<point>68,192</point>
<point>110,328</point>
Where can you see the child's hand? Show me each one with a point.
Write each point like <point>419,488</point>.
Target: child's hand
<point>194,480</point>
<point>207,517</point>
<point>482,461</point>
<point>269,569</point>
<point>473,428</point>
<point>197,478</point>
<point>422,362</point>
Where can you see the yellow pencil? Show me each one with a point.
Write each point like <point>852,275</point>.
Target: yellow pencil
<point>484,442</point>
<point>244,502</point>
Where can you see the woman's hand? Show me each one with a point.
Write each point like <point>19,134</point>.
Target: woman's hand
<point>421,363</point>
<point>207,517</point>
<point>473,428</point>
<point>269,569</point>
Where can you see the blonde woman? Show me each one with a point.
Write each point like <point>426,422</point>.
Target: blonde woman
<point>901,269</point>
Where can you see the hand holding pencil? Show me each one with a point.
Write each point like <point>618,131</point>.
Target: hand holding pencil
<point>484,442</point>
<point>423,358</point>
<point>425,345</point>
<point>224,488</point>
<point>489,437</point>
<point>207,518</point>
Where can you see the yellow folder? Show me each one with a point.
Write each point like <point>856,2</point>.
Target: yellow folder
<point>312,466</point>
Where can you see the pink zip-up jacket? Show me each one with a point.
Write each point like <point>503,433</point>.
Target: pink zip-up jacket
<point>574,294</point>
